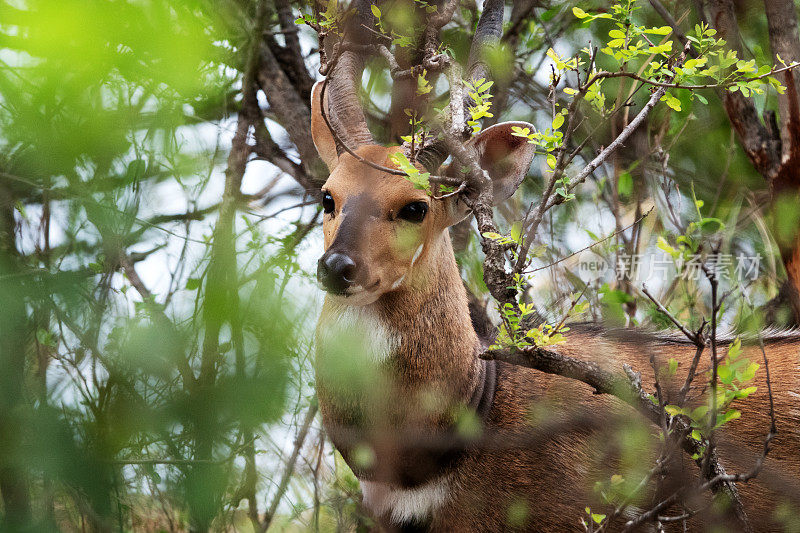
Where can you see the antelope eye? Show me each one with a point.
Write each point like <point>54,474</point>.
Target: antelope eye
<point>413,212</point>
<point>328,204</point>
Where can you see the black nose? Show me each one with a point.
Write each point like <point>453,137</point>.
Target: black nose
<point>336,272</point>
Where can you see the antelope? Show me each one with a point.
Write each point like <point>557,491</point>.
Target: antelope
<point>397,360</point>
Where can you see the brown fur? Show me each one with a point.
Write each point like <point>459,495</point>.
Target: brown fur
<point>555,477</point>
<point>550,482</point>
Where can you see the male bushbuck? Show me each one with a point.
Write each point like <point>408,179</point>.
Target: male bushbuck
<point>398,371</point>
<point>390,273</point>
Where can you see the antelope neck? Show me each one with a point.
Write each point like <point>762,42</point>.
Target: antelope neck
<point>437,348</point>
<point>438,345</point>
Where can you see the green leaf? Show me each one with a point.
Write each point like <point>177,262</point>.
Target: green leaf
<point>516,231</point>
<point>517,131</point>
<point>579,13</point>
<point>420,180</point>
<point>625,184</point>
<point>725,374</point>
<point>746,66</point>
<point>663,30</point>
<point>750,373</point>
<point>673,366</point>
<point>20,207</point>
<point>665,48</point>
<point>613,296</point>
<point>735,349</point>
<point>698,413</point>
<point>46,338</point>
<point>664,245</point>
<point>671,101</point>
<point>732,414</point>
<point>558,121</point>
<point>376,11</point>
<point>744,393</point>
<point>423,87</point>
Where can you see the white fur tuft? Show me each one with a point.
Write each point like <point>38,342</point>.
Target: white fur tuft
<point>398,282</point>
<point>379,340</point>
<point>416,255</point>
<point>404,505</point>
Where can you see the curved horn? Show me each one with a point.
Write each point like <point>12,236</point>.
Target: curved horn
<point>347,117</point>
<point>344,81</point>
<point>432,156</point>
<point>488,33</point>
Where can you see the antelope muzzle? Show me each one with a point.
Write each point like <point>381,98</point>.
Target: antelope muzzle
<point>336,271</point>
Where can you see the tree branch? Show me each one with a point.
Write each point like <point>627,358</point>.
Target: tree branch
<point>785,43</point>
<point>294,115</point>
<point>289,468</point>
<point>761,148</point>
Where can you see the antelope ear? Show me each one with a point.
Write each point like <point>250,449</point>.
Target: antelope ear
<point>505,157</point>
<point>320,133</point>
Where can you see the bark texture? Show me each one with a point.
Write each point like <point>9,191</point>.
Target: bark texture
<point>773,148</point>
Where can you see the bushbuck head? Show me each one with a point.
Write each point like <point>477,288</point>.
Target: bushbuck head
<point>380,231</point>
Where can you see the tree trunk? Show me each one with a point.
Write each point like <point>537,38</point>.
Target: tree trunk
<point>13,333</point>
<point>773,149</point>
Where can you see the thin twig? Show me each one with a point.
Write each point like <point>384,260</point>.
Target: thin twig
<point>690,335</point>
<point>701,345</point>
<point>606,74</point>
<point>289,468</point>
<point>456,192</point>
<point>626,228</point>
<point>621,138</point>
<point>582,175</point>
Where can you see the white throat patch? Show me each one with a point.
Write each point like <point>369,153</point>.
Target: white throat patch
<point>365,328</point>
<point>404,505</point>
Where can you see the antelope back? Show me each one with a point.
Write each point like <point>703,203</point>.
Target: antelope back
<point>563,446</point>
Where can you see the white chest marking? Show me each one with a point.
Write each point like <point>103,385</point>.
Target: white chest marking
<point>404,505</point>
<point>362,325</point>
